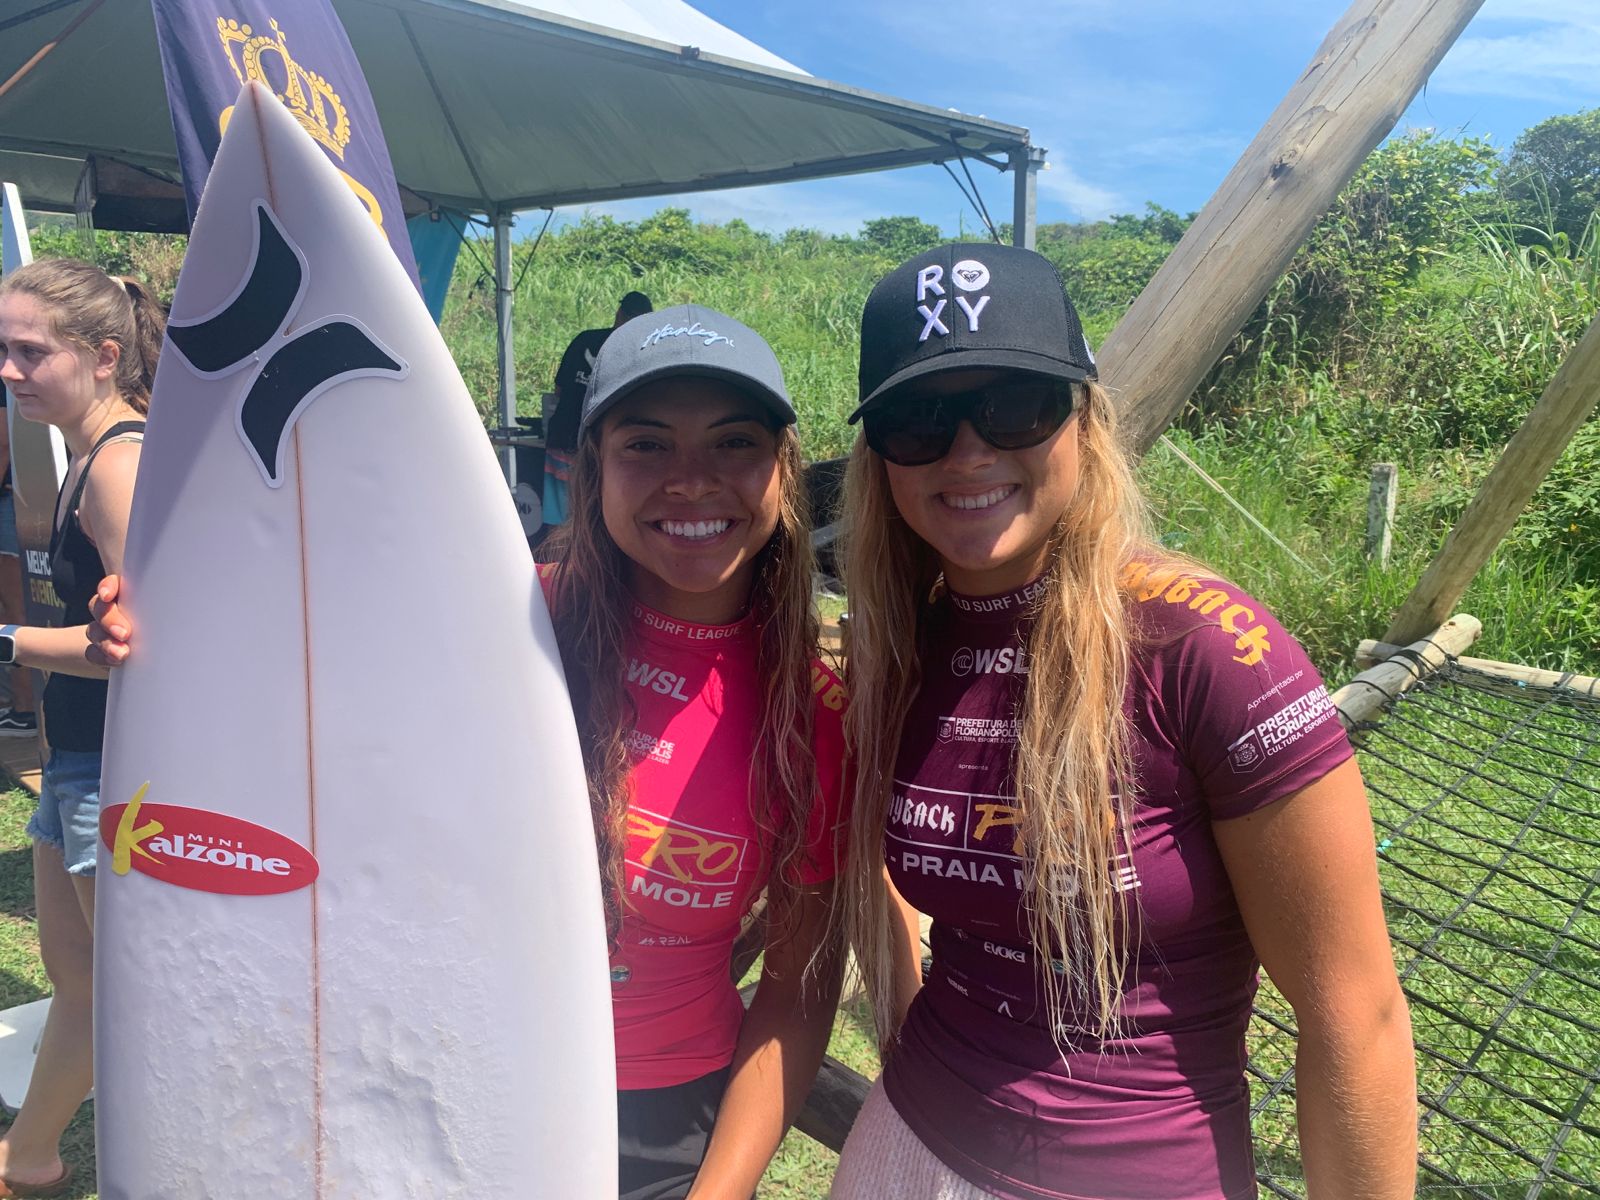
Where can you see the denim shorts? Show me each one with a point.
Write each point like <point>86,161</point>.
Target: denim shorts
<point>68,816</point>
<point>8,522</point>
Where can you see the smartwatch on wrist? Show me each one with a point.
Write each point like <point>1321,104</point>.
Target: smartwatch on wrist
<point>8,645</point>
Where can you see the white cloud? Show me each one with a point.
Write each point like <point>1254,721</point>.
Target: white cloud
<point>1085,201</point>
<point>1182,146</point>
<point>1134,101</point>
<point>1007,29</point>
<point>1551,56</point>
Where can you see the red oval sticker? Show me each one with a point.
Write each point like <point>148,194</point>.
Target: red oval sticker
<point>206,851</point>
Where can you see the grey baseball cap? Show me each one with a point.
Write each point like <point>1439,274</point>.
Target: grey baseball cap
<point>687,339</point>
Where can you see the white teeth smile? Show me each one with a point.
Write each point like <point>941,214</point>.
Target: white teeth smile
<point>981,501</point>
<point>694,529</point>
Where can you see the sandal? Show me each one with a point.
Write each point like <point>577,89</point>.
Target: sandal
<point>54,1187</point>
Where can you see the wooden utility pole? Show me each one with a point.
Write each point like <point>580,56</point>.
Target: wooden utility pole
<point>1527,459</point>
<point>1368,69</point>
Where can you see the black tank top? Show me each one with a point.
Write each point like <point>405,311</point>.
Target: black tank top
<point>75,707</point>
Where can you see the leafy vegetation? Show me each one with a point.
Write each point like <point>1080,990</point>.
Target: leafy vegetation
<point>1418,324</point>
<point>1553,173</point>
<point>22,976</point>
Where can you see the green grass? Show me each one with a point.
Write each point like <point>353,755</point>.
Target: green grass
<point>802,1169</point>
<point>806,306</point>
<point>22,975</point>
<point>1434,374</point>
<point>1292,441</point>
<point>1487,815</point>
<point>1433,369</point>
<point>1535,606</point>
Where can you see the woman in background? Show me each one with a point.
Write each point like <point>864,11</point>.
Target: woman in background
<point>77,350</point>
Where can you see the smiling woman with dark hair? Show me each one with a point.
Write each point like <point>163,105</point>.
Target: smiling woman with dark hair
<point>682,603</point>
<point>711,737</point>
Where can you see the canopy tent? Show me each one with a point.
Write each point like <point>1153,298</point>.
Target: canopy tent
<point>488,106</point>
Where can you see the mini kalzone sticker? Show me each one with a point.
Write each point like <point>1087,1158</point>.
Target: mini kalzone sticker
<point>202,850</point>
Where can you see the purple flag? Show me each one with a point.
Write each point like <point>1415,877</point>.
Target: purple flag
<point>299,49</point>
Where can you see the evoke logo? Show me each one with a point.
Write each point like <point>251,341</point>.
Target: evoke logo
<point>202,850</point>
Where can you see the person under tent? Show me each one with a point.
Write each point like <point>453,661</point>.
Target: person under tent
<point>572,381</point>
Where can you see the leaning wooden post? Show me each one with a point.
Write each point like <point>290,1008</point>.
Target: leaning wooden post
<point>1370,652</point>
<point>1364,696</point>
<point>1370,66</point>
<point>1528,457</point>
<point>1381,496</point>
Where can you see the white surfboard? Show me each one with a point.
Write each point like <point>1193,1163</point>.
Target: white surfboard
<point>21,1028</point>
<point>349,939</point>
<point>38,458</point>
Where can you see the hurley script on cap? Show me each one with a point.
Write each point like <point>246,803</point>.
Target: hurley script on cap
<point>711,336</point>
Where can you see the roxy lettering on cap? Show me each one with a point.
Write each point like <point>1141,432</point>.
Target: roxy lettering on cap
<point>969,275</point>
<point>710,336</point>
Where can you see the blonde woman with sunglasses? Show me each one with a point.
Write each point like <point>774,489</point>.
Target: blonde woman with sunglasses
<point>1111,778</point>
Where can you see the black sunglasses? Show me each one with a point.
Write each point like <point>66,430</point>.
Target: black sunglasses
<point>1009,414</point>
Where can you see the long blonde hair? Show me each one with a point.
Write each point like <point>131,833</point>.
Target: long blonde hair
<point>593,612</point>
<point>1074,773</point>
<point>87,307</point>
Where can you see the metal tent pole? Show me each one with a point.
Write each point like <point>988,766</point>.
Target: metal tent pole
<point>1025,164</point>
<point>502,312</point>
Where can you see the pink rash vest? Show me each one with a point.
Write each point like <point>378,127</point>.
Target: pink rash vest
<point>1228,716</point>
<point>694,856</point>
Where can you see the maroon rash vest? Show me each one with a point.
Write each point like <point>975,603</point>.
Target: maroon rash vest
<point>1228,715</point>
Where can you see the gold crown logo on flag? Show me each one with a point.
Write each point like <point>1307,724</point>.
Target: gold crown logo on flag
<point>307,95</point>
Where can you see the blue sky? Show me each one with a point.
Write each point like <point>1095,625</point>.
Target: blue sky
<point>1135,100</point>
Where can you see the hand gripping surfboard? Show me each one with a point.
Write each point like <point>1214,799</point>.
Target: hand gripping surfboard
<point>349,939</point>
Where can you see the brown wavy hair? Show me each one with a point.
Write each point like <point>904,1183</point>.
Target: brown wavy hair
<point>88,308</point>
<point>592,611</point>
<point>1074,773</point>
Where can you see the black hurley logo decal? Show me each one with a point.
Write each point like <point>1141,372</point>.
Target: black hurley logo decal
<point>299,369</point>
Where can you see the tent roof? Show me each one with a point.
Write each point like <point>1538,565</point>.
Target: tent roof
<point>490,104</point>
